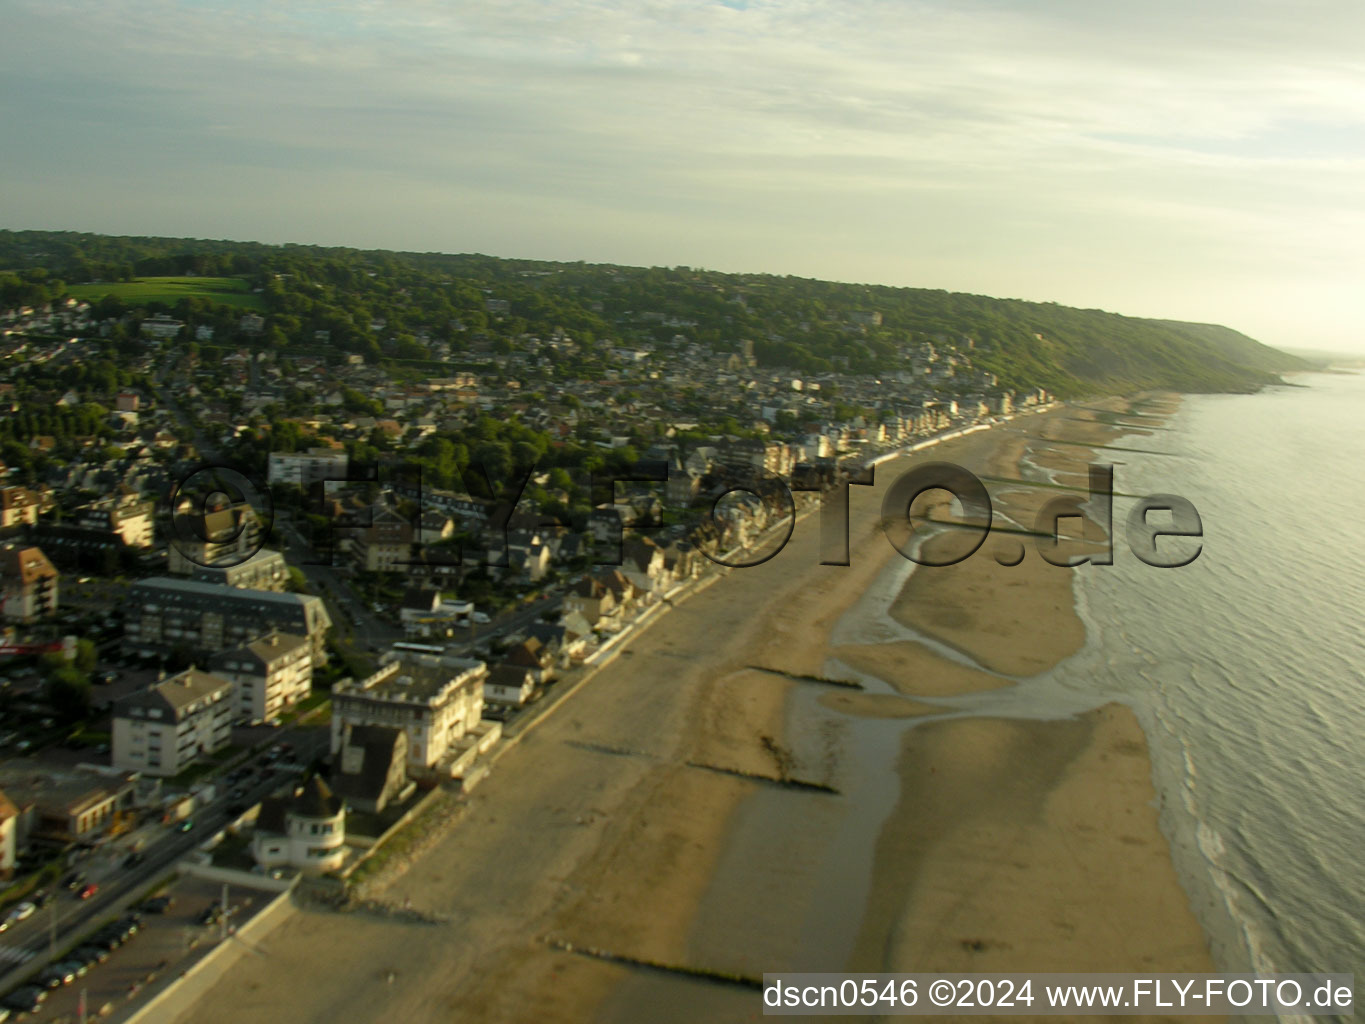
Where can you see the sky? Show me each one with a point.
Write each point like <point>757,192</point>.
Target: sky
<point>1200,161</point>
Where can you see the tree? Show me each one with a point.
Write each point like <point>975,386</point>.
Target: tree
<point>67,690</point>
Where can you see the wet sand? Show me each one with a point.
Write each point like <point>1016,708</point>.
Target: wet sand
<point>1035,843</point>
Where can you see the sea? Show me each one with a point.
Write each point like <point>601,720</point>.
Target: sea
<point>1245,667</point>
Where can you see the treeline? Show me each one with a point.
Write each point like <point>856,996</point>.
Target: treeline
<point>398,306</point>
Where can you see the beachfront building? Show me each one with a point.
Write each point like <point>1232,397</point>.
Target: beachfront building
<point>437,701</point>
<point>271,674</point>
<point>172,724</point>
<point>509,686</point>
<point>306,830</point>
<point>372,770</point>
<point>162,613</point>
<point>28,584</point>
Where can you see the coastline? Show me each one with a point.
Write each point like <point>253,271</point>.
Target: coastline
<point>635,853</point>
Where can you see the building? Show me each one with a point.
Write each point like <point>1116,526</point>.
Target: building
<point>63,805</point>
<point>372,771</point>
<point>271,675</point>
<point>28,584</point>
<point>18,506</point>
<point>306,830</point>
<point>227,535</point>
<point>509,685</point>
<point>437,701</point>
<point>305,468</point>
<point>162,613</point>
<point>124,517</point>
<point>9,835</point>
<point>386,545</point>
<point>265,570</point>
<point>172,724</point>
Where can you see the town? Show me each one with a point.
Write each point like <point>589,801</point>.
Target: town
<point>272,606</point>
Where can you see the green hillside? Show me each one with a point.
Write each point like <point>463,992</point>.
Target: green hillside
<point>393,305</point>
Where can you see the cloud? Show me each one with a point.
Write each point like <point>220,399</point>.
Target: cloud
<point>1176,140</point>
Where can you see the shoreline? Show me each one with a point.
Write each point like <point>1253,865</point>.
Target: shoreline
<point>627,853</point>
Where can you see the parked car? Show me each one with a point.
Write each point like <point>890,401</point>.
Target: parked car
<point>96,953</point>
<point>28,999</point>
<point>187,825</point>
<point>158,904</point>
<point>87,890</point>
<point>42,899</point>
<point>56,976</point>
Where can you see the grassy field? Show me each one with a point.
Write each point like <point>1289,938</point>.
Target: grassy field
<point>233,291</point>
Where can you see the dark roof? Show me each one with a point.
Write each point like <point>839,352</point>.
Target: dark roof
<point>379,746</point>
<point>315,801</point>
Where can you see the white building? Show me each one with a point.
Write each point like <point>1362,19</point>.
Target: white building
<point>304,468</point>
<point>171,724</point>
<point>437,701</point>
<point>271,675</point>
<point>306,831</point>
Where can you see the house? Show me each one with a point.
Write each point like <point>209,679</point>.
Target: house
<point>371,771</point>
<point>508,685</point>
<point>435,526</point>
<point>437,701</point>
<point>306,830</point>
<point>271,675</point>
<point>161,613</point>
<point>594,601</point>
<point>170,725</point>
<point>28,584</point>
<point>534,656</point>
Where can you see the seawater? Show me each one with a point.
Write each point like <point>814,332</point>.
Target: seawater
<point>1246,669</point>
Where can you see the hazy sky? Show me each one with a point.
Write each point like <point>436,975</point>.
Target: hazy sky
<point>1196,160</point>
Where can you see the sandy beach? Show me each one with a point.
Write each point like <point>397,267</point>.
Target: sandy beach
<point>1009,845</point>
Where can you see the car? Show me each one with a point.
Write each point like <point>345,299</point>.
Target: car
<point>134,859</point>
<point>97,954</point>
<point>158,904</point>
<point>187,825</point>
<point>28,999</point>
<point>42,899</point>
<point>87,890</point>
<point>56,976</point>
<point>22,912</point>
<point>73,881</point>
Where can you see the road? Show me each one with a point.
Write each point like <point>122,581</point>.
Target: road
<point>25,948</point>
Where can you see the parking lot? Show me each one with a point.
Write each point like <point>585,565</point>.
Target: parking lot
<point>165,946</point>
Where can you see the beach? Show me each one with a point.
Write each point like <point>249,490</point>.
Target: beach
<point>623,823</point>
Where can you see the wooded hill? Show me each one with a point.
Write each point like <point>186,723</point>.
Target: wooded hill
<point>809,326</point>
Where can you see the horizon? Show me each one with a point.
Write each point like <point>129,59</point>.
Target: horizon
<point>1198,165</point>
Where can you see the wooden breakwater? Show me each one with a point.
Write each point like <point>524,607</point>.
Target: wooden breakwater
<point>709,974</point>
<point>785,781</point>
<point>797,677</point>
